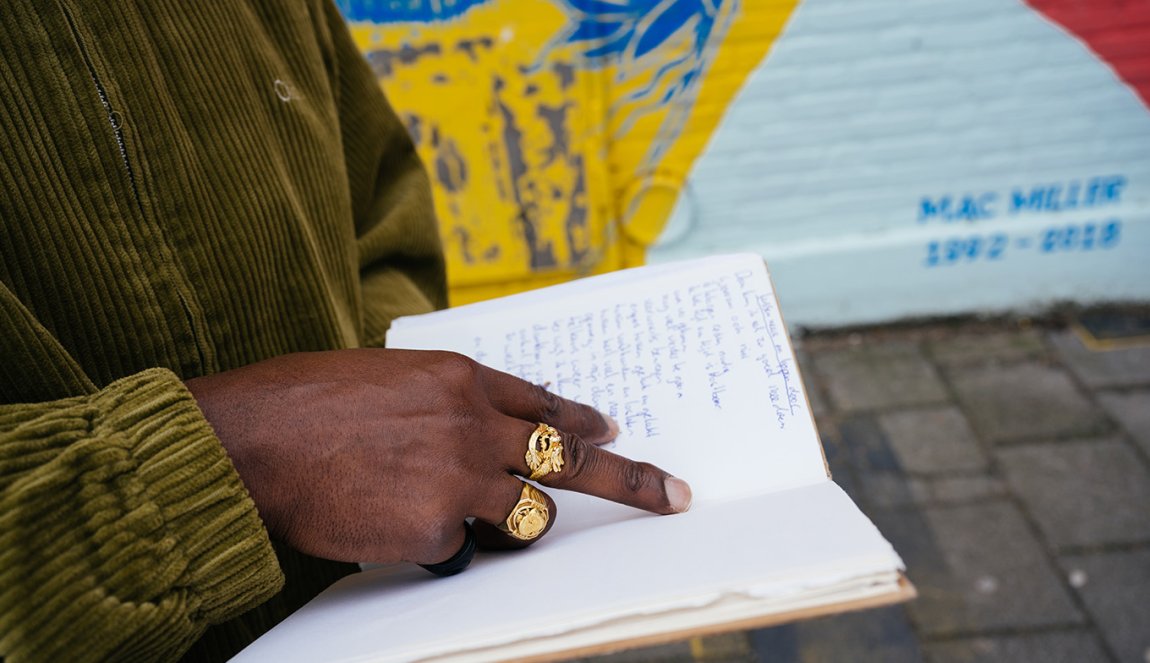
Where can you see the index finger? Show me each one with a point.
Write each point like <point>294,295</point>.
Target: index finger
<point>532,402</point>
<point>586,468</point>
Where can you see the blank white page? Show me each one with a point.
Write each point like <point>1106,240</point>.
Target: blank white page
<point>692,360</point>
<point>783,548</point>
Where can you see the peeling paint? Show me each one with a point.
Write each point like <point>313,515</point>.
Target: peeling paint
<point>566,73</point>
<point>414,127</point>
<point>383,61</point>
<point>472,46</point>
<point>556,120</point>
<point>578,240</point>
<point>541,255</point>
<point>450,168</point>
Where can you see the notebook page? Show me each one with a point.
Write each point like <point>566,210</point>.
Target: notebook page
<point>693,362</point>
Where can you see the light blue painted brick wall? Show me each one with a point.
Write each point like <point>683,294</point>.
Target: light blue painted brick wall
<point>865,108</point>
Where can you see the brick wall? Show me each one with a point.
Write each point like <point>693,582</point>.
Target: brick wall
<point>897,158</point>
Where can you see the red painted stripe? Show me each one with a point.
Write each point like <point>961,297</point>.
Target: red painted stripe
<point>1117,31</point>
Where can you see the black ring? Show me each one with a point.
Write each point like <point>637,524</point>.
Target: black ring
<point>459,560</point>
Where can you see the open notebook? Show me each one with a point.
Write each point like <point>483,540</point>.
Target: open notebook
<point>693,360</point>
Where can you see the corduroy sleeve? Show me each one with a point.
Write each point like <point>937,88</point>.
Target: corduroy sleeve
<point>400,254</point>
<point>124,528</point>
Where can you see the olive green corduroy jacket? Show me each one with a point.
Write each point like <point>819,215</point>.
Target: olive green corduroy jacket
<point>185,187</point>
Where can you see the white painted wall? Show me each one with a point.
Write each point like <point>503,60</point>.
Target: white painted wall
<point>867,108</point>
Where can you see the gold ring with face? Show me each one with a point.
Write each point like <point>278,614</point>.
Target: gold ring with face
<point>544,452</point>
<point>529,517</point>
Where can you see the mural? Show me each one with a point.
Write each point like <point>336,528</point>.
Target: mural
<point>889,159</point>
<point>923,157</point>
<point>557,131</point>
<point>1117,31</point>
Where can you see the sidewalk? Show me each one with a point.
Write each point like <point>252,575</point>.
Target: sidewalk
<point>1010,467</point>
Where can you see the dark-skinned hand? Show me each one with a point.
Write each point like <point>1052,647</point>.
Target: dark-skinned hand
<point>380,455</point>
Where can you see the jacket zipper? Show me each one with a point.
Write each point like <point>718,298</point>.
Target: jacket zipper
<point>116,120</point>
<point>114,117</point>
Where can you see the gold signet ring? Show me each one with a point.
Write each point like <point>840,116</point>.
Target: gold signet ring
<point>544,452</point>
<point>529,517</point>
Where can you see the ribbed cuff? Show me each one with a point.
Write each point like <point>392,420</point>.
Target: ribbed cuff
<point>124,528</point>
<point>230,563</point>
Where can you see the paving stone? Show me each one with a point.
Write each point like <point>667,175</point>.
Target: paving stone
<point>983,575</point>
<point>878,476</point>
<point>677,652</point>
<point>828,429</point>
<point>1066,647</point>
<point>878,376</point>
<point>1120,323</point>
<point>866,445</point>
<point>723,648</point>
<point>977,567</point>
<point>1082,493</point>
<point>1103,368</point>
<point>932,440</point>
<point>1025,401</point>
<point>1132,410</point>
<point>838,458</point>
<point>838,462</point>
<point>882,634</point>
<point>965,348</point>
<point>960,489</point>
<point>812,384</point>
<point>886,490</point>
<point>1115,587</point>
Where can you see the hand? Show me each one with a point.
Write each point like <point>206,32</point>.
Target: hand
<point>379,455</point>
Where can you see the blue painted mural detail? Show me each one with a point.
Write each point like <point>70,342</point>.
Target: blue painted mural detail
<point>625,33</point>
<point>1055,198</point>
<point>631,29</point>
<point>637,27</point>
<point>1092,192</point>
<point>405,11</point>
<point>1075,237</point>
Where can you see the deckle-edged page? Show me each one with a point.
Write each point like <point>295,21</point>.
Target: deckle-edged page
<point>764,555</point>
<point>692,359</point>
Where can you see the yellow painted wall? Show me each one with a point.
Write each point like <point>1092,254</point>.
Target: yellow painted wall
<point>558,133</point>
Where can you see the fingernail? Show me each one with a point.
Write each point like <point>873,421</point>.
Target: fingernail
<point>612,426</point>
<point>678,494</point>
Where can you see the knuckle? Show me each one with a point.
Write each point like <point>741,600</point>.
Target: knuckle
<point>465,420</point>
<point>456,367</point>
<point>550,406</point>
<point>634,476</point>
<point>579,456</point>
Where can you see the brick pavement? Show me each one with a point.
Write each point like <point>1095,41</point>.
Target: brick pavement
<point>1009,465</point>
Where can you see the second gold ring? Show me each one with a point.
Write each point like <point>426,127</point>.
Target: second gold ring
<point>530,515</point>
